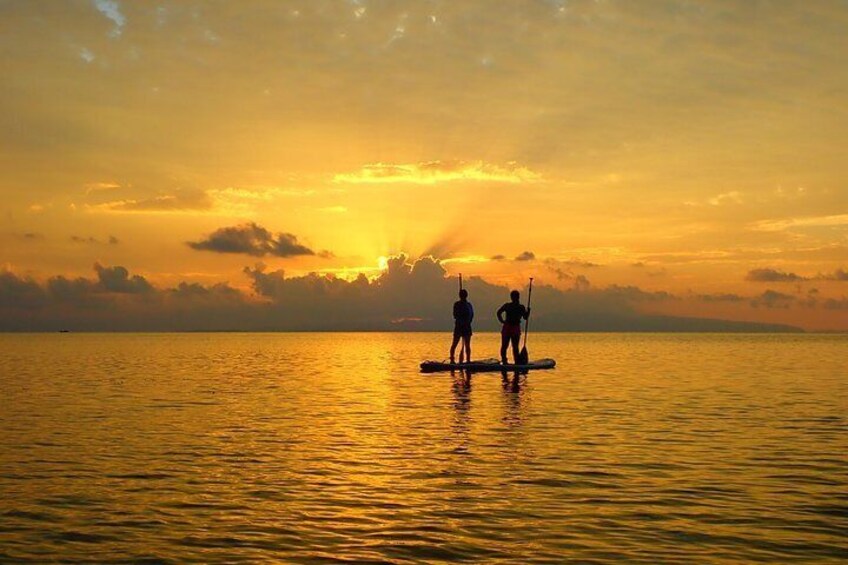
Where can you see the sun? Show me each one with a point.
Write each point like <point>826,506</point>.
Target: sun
<point>383,262</point>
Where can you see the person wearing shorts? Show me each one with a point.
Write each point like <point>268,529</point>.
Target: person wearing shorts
<point>510,315</point>
<point>463,314</point>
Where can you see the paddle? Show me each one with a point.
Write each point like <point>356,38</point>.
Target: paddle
<point>461,347</point>
<point>523,356</point>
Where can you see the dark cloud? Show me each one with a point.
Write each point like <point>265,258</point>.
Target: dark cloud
<point>19,292</point>
<point>252,239</point>
<point>835,304</point>
<point>32,235</point>
<point>562,270</point>
<point>636,294</point>
<point>198,292</point>
<point>772,299</point>
<point>772,275</point>
<point>76,291</point>
<point>406,296</point>
<point>498,257</point>
<point>580,264</point>
<point>561,274</point>
<point>722,297</point>
<point>525,256</point>
<point>837,275</point>
<point>581,283</point>
<point>118,279</point>
<point>113,240</point>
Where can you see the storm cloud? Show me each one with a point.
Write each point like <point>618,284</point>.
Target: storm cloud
<point>251,239</point>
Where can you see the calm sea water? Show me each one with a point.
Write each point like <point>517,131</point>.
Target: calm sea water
<point>318,448</point>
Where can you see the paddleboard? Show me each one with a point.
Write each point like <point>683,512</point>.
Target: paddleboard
<point>482,365</point>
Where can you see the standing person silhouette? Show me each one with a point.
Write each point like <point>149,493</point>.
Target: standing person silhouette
<point>463,314</point>
<point>510,315</point>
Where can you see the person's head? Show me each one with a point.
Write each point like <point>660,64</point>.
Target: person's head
<point>514,295</point>
<point>463,294</point>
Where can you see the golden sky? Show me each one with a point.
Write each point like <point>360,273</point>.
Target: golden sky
<point>694,150</point>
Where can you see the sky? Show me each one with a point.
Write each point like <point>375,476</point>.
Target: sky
<point>336,164</point>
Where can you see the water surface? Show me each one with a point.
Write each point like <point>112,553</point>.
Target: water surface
<point>315,448</point>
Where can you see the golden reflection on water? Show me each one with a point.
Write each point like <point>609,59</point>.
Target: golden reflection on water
<point>307,447</point>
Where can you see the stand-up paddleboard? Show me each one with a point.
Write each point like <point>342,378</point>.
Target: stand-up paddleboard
<point>485,365</point>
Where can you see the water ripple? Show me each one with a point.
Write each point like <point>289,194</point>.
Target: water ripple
<point>332,448</point>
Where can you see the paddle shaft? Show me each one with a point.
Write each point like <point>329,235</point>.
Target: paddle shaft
<point>527,323</point>
<point>462,341</point>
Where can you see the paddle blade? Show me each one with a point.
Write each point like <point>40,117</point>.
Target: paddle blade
<point>523,356</point>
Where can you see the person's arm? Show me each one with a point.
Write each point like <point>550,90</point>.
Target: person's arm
<point>470,313</point>
<point>500,314</point>
<point>526,313</point>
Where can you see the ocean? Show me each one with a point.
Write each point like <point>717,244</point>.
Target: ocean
<point>334,448</point>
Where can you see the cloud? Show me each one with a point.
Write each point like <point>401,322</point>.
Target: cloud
<point>112,240</point>
<point>837,275</point>
<point>94,187</point>
<point>229,201</point>
<point>498,257</point>
<point>32,235</point>
<point>111,9</point>
<point>117,279</point>
<point>721,297</point>
<point>251,239</point>
<point>581,283</point>
<point>835,304</point>
<point>732,197</point>
<point>432,172</point>
<point>636,294</point>
<point>772,299</point>
<point>808,221</point>
<point>525,256</point>
<point>87,55</point>
<point>562,270</point>
<point>405,296</point>
<point>183,201</point>
<point>772,275</point>
<point>199,292</point>
<point>20,293</point>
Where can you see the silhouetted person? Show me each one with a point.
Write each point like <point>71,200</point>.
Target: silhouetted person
<point>510,315</point>
<point>463,314</point>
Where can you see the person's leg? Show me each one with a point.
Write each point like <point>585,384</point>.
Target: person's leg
<point>504,344</point>
<point>453,347</point>
<point>467,340</point>
<point>515,339</point>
